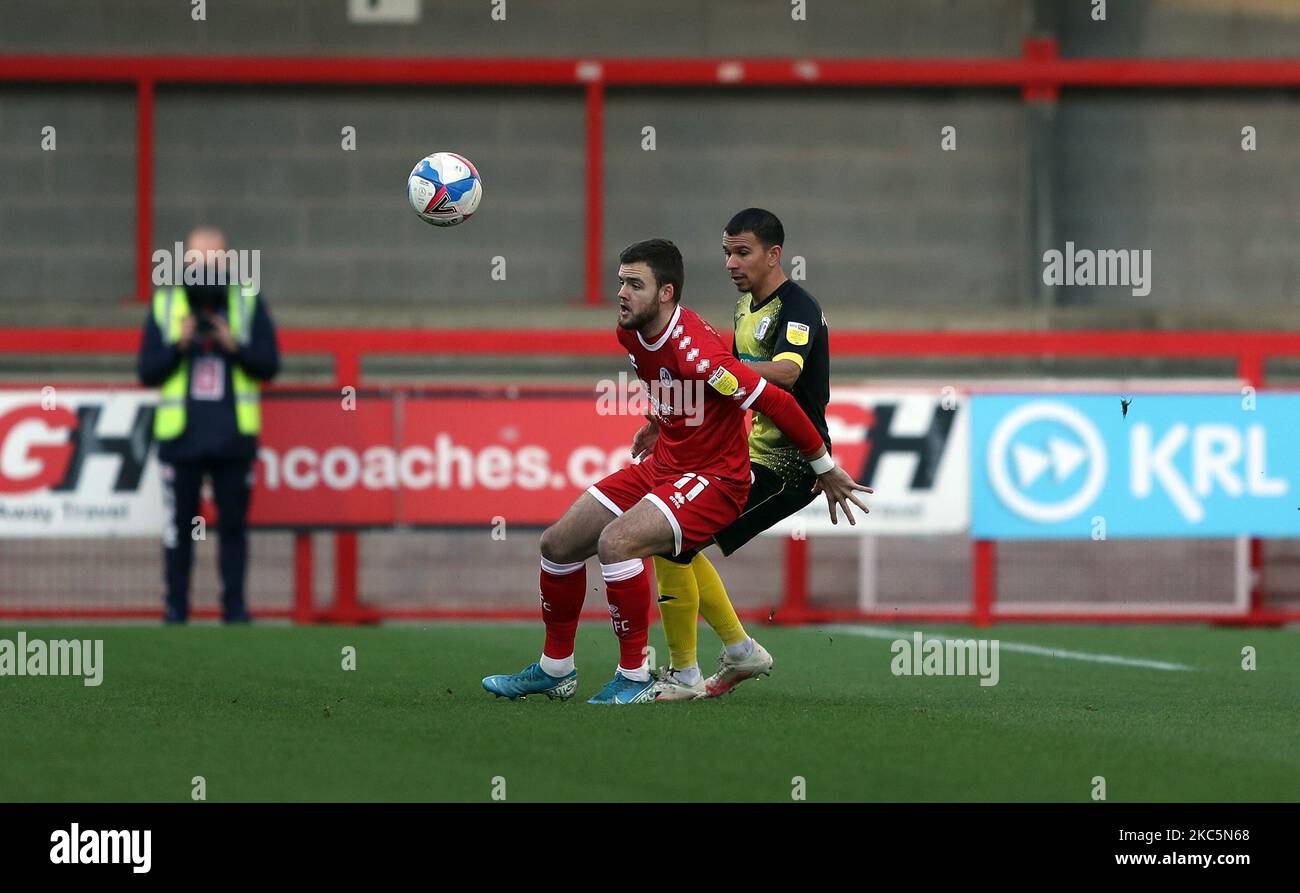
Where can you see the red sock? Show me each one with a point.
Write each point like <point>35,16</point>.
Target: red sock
<point>563,588</point>
<point>628,588</point>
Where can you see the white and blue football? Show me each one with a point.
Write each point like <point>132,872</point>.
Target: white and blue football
<point>444,189</point>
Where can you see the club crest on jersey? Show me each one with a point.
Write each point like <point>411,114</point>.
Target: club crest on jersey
<point>762,328</point>
<point>723,382</point>
<point>661,398</point>
<point>796,333</point>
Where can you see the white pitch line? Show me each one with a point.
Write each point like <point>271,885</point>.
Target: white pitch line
<point>884,632</point>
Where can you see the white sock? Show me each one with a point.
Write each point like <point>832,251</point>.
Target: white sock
<point>640,674</point>
<point>688,675</point>
<point>621,570</point>
<point>560,570</point>
<point>556,666</point>
<point>741,650</point>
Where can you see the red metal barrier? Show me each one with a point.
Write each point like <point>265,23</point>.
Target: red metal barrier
<point>1250,350</point>
<point>347,346</point>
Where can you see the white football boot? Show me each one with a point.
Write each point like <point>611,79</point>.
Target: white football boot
<point>732,672</point>
<point>671,688</point>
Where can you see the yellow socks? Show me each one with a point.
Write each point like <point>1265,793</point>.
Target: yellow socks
<point>689,590</point>
<point>714,604</point>
<point>679,606</point>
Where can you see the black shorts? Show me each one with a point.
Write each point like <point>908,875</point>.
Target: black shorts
<point>771,499</point>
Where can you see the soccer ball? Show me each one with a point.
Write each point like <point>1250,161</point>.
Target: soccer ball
<point>444,189</point>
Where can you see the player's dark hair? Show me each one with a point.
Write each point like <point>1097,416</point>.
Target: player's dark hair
<point>663,259</point>
<point>765,226</point>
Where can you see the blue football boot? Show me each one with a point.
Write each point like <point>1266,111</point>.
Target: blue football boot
<point>533,680</point>
<point>622,690</point>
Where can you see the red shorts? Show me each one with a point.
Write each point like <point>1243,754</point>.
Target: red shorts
<point>696,505</point>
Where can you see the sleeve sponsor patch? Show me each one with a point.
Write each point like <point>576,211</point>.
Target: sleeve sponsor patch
<point>723,382</point>
<point>796,333</point>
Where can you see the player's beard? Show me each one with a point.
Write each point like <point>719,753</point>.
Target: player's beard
<point>635,319</point>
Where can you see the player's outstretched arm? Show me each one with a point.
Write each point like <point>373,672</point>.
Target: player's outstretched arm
<point>840,488</point>
<point>732,378</point>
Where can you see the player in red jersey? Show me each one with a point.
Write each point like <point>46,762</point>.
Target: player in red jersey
<point>694,484</point>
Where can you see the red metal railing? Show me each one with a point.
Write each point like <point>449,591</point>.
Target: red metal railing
<point>1039,74</point>
<point>1249,350</point>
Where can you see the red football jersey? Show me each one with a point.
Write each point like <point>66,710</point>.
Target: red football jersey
<point>699,393</point>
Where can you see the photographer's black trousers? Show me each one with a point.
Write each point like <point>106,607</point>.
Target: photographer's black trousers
<point>232,481</point>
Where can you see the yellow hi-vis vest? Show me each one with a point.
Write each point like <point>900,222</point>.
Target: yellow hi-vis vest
<point>170,307</point>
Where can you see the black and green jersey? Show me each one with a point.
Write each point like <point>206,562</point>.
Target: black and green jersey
<point>788,325</point>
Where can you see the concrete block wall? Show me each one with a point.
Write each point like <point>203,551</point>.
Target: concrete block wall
<point>880,214</point>
<point>67,217</point>
<point>1223,28</point>
<point>1167,172</point>
<point>267,165</point>
<point>531,28</point>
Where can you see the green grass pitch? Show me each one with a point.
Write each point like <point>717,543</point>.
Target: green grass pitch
<point>267,713</point>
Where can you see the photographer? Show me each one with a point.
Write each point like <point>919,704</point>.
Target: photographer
<point>208,346</point>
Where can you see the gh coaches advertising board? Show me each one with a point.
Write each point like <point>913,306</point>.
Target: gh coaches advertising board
<point>81,463</point>
<point>78,464</point>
